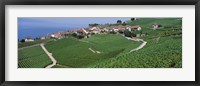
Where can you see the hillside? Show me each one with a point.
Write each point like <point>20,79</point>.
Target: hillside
<point>146,48</point>
<point>33,57</point>
<point>163,49</point>
<point>72,52</point>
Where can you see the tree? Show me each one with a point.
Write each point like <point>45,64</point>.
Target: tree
<point>80,36</point>
<point>74,34</point>
<point>159,25</point>
<point>113,32</point>
<point>124,24</point>
<point>119,21</point>
<point>127,33</point>
<point>121,32</point>
<point>65,35</point>
<point>22,40</point>
<point>37,38</point>
<point>132,19</point>
<point>93,25</point>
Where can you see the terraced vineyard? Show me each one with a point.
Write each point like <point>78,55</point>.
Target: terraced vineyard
<point>76,53</point>
<point>165,53</point>
<point>110,42</point>
<point>33,57</point>
<point>162,50</point>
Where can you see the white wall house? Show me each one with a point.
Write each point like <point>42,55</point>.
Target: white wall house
<point>42,38</point>
<point>28,40</point>
<point>154,26</point>
<point>128,28</point>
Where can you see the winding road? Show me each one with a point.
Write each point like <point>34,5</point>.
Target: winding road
<point>49,55</point>
<point>55,62</point>
<point>136,39</point>
<point>28,46</point>
<point>139,47</point>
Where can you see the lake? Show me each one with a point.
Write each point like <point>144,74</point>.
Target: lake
<point>42,26</point>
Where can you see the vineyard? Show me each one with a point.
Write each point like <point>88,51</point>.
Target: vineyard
<point>162,50</point>
<point>110,42</point>
<point>33,57</point>
<point>75,53</point>
<point>165,53</point>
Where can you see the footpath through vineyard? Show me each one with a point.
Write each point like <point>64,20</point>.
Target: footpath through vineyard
<point>28,46</point>
<point>136,39</point>
<point>49,55</point>
<point>139,47</point>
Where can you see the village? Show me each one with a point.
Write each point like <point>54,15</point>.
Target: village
<point>87,32</point>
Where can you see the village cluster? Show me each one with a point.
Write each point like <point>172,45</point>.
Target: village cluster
<point>87,32</point>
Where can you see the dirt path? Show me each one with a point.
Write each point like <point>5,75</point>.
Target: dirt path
<point>137,39</point>
<point>33,45</point>
<point>91,50</point>
<point>49,55</point>
<point>139,47</point>
<point>28,46</point>
<point>94,51</point>
<point>63,66</point>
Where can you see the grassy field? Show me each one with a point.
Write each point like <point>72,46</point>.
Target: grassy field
<point>75,53</point>
<point>33,57</point>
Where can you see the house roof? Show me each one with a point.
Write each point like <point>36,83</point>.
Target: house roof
<point>57,34</point>
<point>82,30</point>
<point>135,27</point>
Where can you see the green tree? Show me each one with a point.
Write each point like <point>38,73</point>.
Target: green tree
<point>80,36</point>
<point>93,25</point>
<point>124,24</point>
<point>113,32</point>
<point>74,34</point>
<point>132,19</point>
<point>22,40</point>
<point>119,21</point>
<point>127,33</point>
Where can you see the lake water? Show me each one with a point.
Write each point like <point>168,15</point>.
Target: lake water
<point>42,26</point>
<point>33,33</point>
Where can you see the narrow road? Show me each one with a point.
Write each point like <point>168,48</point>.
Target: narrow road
<point>139,47</point>
<point>63,66</point>
<point>32,45</point>
<point>137,39</point>
<point>94,51</point>
<point>28,46</point>
<point>49,55</point>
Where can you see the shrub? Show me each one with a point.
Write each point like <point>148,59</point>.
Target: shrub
<point>113,32</point>
<point>129,34</point>
<point>74,34</point>
<point>80,36</point>
<point>121,32</point>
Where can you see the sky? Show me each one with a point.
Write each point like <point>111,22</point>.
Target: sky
<point>41,26</point>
